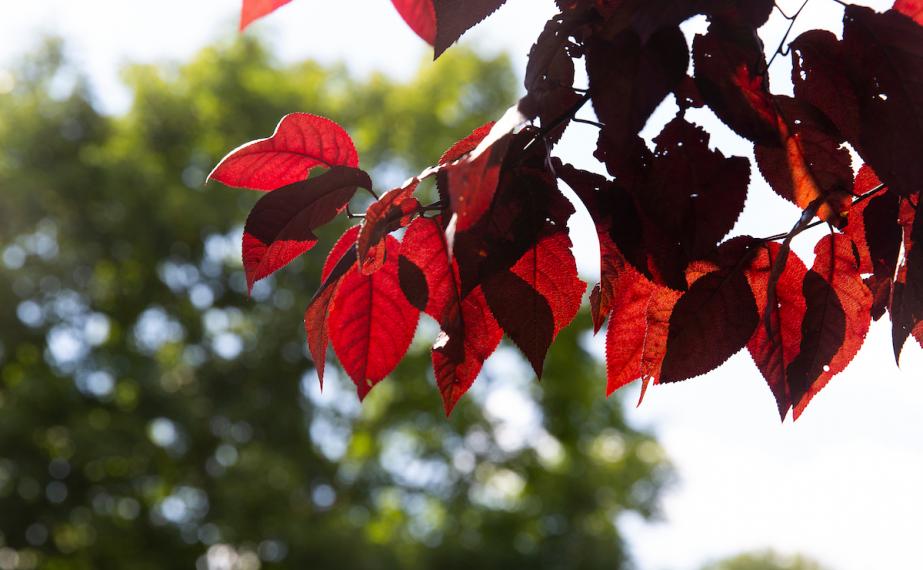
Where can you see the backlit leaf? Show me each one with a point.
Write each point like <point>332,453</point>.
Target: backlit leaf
<point>420,16</point>
<point>281,225</point>
<point>300,142</point>
<point>255,9</point>
<point>773,350</point>
<point>393,211</point>
<point>836,321</point>
<point>455,17</point>
<point>341,259</point>
<point>371,324</point>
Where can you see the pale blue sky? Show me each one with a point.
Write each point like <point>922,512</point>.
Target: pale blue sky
<point>842,485</point>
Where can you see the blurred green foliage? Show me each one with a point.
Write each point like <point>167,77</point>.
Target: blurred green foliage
<point>767,560</point>
<point>152,416</point>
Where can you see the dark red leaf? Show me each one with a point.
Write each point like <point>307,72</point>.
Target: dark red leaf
<point>455,17</point>
<point>690,199</point>
<point>907,297</point>
<point>526,206</point>
<point>420,16</point>
<point>281,225</point>
<point>341,259</point>
<point>617,228</point>
<point>549,79</point>
<point>730,73</point>
<point>301,142</point>
<point>256,9</point>
<point>773,350</point>
<point>624,100</point>
<point>393,211</point>
<point>713,320</point>
<point>821,79</point>
<point>837,264</point>
<point>371,324</point>
<point>884,57</point>
<point>424,247</point>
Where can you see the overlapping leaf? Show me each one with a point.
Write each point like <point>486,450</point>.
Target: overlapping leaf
<point>713,320</point>
<point>836,319</point>
<point>636,341</point>
<point>300,142</point>
<point>429,279</point>
<point>341,259</point>
<point>648,72</point>
<point>281,225</point>
<point>371,324</point>
<point>394,211</point>
<point>777,341</point>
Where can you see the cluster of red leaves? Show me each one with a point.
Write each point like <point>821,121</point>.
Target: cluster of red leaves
<point>493,255</point>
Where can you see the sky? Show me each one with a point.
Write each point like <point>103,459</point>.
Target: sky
<point>841,485</point>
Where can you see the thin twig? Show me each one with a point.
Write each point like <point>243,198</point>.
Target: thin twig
<point>791,24</point>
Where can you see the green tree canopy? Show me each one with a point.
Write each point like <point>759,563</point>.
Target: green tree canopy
<point>153,416</point>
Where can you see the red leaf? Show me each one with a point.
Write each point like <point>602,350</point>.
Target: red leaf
<point>907,296</point>
<point>256,9</point>
<point>637,337</point>
<point>341,259</point>
<point>393,211</point>
<point>550,269</point>
<point>884,58</point>
<point>729,71</point>
<point>430,281</point>
<point>472,182</point>
<point>524,315</point>
<point>713,320</point>
<point>420,16</point>
<point>455,17</point>
<point>371,323</point>
<point>281,225</point>
<point>475,335</point>
<point>774,350</point>
<point>910,8</point>
<point>424,247</point>
<point>820,78</point>
<point>299,143</point>
<point>623,101</point>
<point>467,144</point>
<point>685,221</point>
<point>811,163</point>
<point>616,223</point>
<point>837,333</point>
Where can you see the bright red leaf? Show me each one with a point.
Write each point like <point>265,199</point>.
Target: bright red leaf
<point>371,324</point>
<point>420,16</point>
<point>301,142</point>
<point>340,260</point>
<point>256,9</point>
<point>430,281</point>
